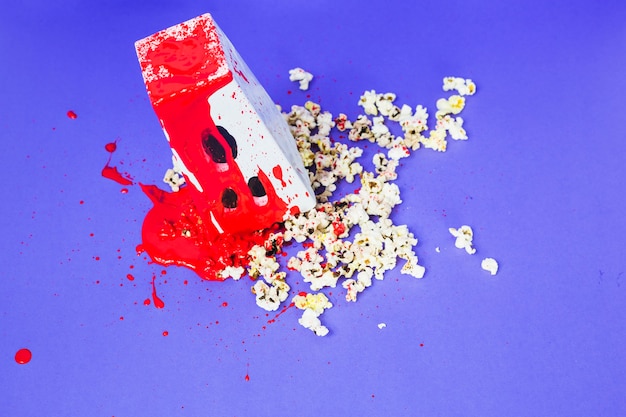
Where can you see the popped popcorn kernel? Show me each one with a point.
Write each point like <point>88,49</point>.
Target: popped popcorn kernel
<point>302,76</point>
<point>490,265</point>
<point>464,236</point>
<point>174,176</point>
<point>452,105</point>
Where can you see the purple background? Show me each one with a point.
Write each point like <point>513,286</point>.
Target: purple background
<point>541,181</point>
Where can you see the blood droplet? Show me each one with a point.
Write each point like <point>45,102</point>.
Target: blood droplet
<point>23,356</point>
<point>225,304</point>
<point>71,114</point>
<point>278,173</point>
<point>130,277</point>
<point>110,147</point>
<point>146,302</point>
<point>166,333</point>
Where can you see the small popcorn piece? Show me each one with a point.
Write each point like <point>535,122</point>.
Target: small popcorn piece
<point>464,236</point>
<point>342,123</point>
<point>302,76</point>
<point>174,179</point>
<point>382,325</point>
<point>452,105</point>
<point>368,102</point>
<point>490,265</point>
<point>174,176</point>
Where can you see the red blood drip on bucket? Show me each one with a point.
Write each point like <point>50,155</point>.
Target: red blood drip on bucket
<point>146,302</point>
<point>225,304</point>
<point>158,303</point>
<point>278,173</point>
<point>166,333</point>
<point>71,114</point>
<point>23,356</point>
<point>130,277</point>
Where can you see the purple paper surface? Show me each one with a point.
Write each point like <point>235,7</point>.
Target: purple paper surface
<point>541,181</point>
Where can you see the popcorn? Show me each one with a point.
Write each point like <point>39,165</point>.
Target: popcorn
<point>174,179</point>
<point>452,105</point>
<point>269,297</point>
<point>464,87</point>
<point>464,236</point>
<point>302,76</point>
<point>368,102</point>
<point>232,272</point>
<point>490,265</point>
<point>334,252</point>
<point>174,176</point>
<point>313,306</point>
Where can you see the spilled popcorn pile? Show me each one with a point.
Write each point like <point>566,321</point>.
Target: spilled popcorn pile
<point>349,240</point>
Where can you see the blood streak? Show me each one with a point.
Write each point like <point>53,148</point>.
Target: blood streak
<point>158,303</point>
<point>281,312</point>
<point>23,356</point>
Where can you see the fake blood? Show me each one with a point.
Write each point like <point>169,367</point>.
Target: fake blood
<point>278,173</point>
<point>158,303</point>
<point>111,172</point>
<point>23,356</point>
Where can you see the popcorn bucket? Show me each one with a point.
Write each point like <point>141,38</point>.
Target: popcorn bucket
<point>228,139</point>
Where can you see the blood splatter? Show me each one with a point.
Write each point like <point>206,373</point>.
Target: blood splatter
<point>112,172</point>
<point>158,303</point>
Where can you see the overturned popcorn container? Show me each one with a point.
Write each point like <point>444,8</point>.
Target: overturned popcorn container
<point>229,140</point>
